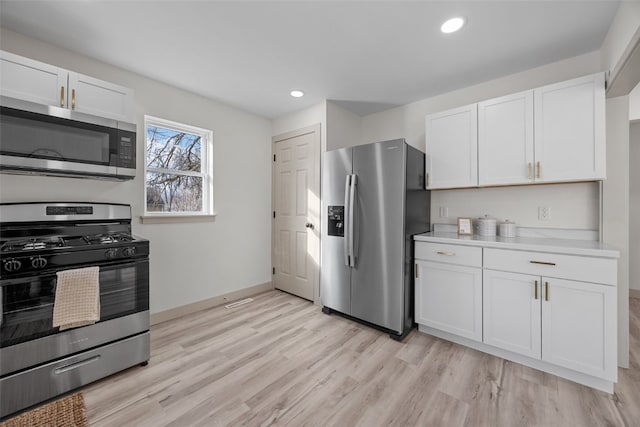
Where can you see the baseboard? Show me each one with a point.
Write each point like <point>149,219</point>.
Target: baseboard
<point>174,313</point>
<point>634,293</point>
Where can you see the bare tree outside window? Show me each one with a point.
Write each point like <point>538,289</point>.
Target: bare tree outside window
<point>176,174</point>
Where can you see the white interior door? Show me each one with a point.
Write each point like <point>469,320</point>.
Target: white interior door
<point>296,206</point>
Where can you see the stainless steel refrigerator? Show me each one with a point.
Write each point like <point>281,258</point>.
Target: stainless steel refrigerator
<point>373,202</point>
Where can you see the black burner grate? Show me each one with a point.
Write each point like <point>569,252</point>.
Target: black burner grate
<point>108,238</point>
<point>32,244</point>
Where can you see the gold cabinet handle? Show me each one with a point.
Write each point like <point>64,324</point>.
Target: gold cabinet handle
<point>543,263</point>
<point>546,291</point>
<point>535,289</point>
<point>417,275</point>
<point>62,96</point>
<point>447,253</point>
<point>529,171</point>
<point>427,180</point>
<point>538,170</point>
<point>73,99</point>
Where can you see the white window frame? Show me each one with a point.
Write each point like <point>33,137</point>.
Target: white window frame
<point>206,168</point>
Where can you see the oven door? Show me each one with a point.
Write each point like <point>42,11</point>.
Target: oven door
<point>27,336</point>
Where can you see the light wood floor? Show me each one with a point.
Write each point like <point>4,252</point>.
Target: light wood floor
<point>281,361</point>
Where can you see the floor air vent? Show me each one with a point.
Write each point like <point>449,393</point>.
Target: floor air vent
<point>239,303</point>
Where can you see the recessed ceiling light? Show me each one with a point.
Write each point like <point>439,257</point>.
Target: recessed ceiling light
<point>297,93</point>
<point>452,25</point>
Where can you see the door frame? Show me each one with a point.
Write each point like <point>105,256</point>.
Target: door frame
<point>313,129</point>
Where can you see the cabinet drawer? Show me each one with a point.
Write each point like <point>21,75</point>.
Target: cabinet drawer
<point>450,254</point>
<point>585,269</point>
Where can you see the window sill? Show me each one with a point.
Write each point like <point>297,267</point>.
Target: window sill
<point>175,219</point>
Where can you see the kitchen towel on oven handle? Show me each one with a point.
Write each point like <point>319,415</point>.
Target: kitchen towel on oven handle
<point>77,300</point>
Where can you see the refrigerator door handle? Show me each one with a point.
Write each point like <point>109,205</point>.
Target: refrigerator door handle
<point>352,209</point>
<point>347,227</point>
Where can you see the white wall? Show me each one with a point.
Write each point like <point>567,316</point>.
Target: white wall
<point>572,205</point>
<point>615,210</point>
<point>634,104</point>
<point>623,30</point>
<point>301,119</point>
<point>634,207</point>
<point>189,261</point>
<point>344,128</point>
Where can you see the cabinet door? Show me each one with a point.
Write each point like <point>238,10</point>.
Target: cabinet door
<point>32,81</point>
<point>505,140</point>
<point>511,312</point>
<point>570,130</point>
<point>579,326</point>
<point>100,98</point>
<point>452,148</point>
<point>449,298</point>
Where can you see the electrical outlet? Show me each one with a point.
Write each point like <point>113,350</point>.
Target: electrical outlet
<point>544,213</point>
<point>444,212</point>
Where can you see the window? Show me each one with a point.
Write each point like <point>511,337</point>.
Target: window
<point>178,169</point>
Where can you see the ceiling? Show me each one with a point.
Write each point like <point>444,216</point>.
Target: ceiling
<point>367,55</point>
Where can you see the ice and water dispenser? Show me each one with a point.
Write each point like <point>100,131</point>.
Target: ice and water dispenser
<point>336,221</point>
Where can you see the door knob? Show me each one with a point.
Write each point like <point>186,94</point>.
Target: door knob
<point>309,225</point>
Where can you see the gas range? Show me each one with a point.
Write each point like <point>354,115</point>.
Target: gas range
<point>38,240</point>
<point>81,235</point>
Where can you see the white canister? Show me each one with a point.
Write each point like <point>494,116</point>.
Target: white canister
<point>507,228</point>
<point>487,226</point>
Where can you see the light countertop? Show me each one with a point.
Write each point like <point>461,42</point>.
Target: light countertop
<point>537,244</point>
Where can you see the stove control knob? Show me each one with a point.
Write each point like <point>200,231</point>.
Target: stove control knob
<point>12,265</point>
<point>38,262</point>
<point>128,251</point>
<point>111,253</point>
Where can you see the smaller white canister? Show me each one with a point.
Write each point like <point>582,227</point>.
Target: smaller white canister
<point>487,226</point>
<point>507,228</point>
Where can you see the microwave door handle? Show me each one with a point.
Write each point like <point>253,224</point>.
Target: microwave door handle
<point>345,239</point>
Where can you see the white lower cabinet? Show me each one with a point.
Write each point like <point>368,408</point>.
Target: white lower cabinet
<point>449,298</point>
<point>511,312</point>
<point>564,322</point>
<point>579,327</point>
<point>564,326</point>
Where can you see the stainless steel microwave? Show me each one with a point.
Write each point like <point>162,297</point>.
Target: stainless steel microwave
<point>48,140</point>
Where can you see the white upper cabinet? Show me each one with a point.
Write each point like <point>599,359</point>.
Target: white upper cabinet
<point>570,130</point>
<point>505,140</point>
<point>100,98</point>
<point>452,148</point>
<point>554,133</point>
<point>33,81</point>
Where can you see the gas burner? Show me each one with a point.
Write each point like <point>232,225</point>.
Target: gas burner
<point>32,244</point>
<point>100,239</point>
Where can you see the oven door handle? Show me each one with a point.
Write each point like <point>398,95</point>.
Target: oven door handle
<point>75,365</point>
